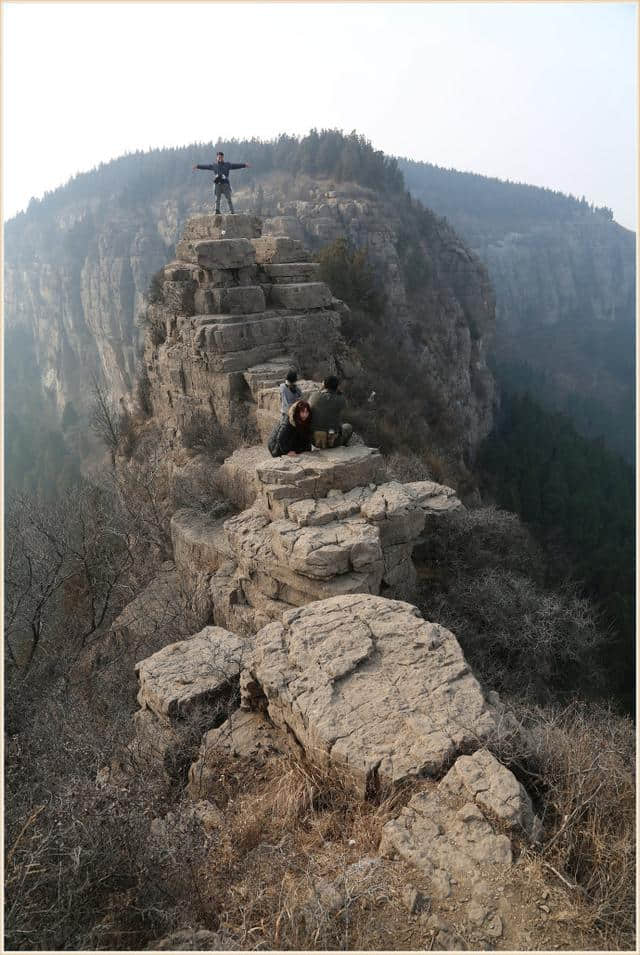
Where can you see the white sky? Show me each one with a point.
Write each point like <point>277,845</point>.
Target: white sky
<point>543,93</point>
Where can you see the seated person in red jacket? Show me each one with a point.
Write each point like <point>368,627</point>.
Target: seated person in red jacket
<point>294,434</point>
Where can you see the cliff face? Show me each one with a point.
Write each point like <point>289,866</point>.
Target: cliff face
<point>77,278</point>
<point>564,276</point>
<point>76,285</point>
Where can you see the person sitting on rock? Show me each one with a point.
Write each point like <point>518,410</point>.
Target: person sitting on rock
<point>293,434</point>
<point>289,392</point>
<point>329,431</point>
<point>221,184</point>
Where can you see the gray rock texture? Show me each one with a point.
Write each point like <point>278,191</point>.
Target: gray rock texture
<point>495,790</point>
<point>367,685</point>
<point>182,675</point>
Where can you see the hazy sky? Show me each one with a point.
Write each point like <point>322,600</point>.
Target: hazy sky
<point>538,93</point>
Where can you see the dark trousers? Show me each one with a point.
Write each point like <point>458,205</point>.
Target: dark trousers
<point>223,189</point>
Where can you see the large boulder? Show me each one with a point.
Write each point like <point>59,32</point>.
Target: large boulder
<point>495,790</point>
<point>183,675</point>
<point>367,685</point>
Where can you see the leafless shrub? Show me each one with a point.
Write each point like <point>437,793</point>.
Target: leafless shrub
<point>479,539</point>
<point>143,490</point>
<point>203,432</point>
<point>104,419</point>
<point>65,566</point>
<point>578,762</point>
<point>520,638</point>
<point>143,390</point>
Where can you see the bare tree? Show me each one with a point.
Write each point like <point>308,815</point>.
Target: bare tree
<point>65,566</point>
<point>105,418</point>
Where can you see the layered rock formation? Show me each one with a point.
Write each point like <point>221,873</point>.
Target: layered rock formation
<point>76,281</point>
<point>305,647</point>
<point>227,327</point>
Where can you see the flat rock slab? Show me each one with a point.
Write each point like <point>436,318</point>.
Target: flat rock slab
<point>288,273</point>
<point>367,685</point>
<point>314,474</point>
<point>199,541</point>
<point>301,295</point>
<point>274,249</point>
<point>233,300</point>
<point>238,226</point>
<point>184,674</point>
<point>225,253</point>
<point>269,373</point>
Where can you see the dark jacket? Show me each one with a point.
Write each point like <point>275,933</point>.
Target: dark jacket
<point>291,438</point>
<point>327,408</point>
<point>222,169</point>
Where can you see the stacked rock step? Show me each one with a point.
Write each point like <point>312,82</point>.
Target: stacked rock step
<point>236,309</point>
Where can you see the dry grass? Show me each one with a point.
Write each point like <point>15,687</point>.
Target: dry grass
<point>579,762</point>
<point>294,866</point>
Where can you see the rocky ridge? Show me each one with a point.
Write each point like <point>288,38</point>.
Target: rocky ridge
<point>304,645</point>
<point>76,281</point>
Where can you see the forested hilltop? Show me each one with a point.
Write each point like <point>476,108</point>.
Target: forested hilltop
<point>564,275</point>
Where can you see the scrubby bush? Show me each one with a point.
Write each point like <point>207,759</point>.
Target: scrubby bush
<point>143,390</point>
<point>484,580</point>
<point>578,762</point>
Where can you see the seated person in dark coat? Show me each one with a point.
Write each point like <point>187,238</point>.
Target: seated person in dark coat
<point>327,406</point>
<point>294,434</point>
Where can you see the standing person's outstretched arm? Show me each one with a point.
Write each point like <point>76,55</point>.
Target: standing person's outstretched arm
<point>239,165</point>
<point>210,167</point>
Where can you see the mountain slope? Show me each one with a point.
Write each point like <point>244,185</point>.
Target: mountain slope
<point>564,275</point>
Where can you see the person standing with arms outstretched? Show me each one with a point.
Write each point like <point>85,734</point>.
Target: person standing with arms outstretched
<point>221,184</point>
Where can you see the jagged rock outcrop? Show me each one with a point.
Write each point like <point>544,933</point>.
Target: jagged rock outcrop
<point>315,526</point>
<point>308,651</point>
<point>92,270</point>
<point>366,685</point>
<point>223,333</point>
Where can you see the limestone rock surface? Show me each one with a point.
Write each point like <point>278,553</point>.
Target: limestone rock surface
<point>183,674</point>
<point>495,790</point>
<point>251,474</point>
<point>366,684</point>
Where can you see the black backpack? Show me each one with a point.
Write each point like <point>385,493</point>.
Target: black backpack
<point>274,439</point>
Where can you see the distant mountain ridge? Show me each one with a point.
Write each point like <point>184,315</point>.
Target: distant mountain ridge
<point>564,275</point>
